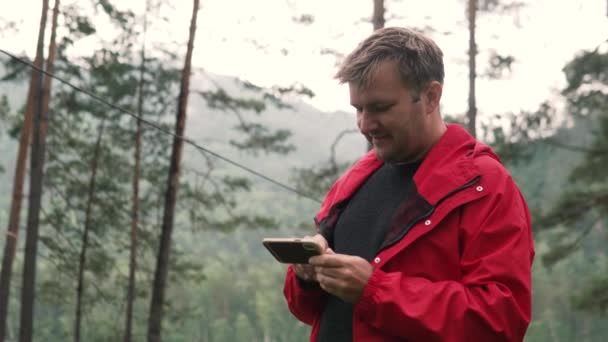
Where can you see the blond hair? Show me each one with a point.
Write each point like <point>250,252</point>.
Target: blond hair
<point>419,60</point>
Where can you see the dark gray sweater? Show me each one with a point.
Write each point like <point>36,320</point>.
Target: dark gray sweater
<point>360,230</point>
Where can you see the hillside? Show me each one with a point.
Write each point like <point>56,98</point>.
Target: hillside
<point>312,133</point>
<point>249,288</point>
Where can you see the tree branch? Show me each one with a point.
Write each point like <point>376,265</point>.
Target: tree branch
<point>555,143</point>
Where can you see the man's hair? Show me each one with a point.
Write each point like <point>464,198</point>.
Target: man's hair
<point>418,59</point>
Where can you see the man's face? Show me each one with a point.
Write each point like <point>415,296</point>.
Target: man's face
<point>389,116</point>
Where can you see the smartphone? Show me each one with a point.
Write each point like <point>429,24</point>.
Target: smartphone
<point>292,250</point>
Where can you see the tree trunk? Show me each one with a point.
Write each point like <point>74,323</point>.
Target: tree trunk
<point>162,265</point>
<point>378,21</point>
<point>135,199</point>
<point>10,245</point>
<point>472,112</point>
<point>40,105</point>
<point>378,16</point>
<point>12,233</point>
<point>85,234</point>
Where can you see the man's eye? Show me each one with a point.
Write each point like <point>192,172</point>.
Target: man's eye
<point>379,108</point>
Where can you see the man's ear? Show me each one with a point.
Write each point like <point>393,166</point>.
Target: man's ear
<point>432,96</point>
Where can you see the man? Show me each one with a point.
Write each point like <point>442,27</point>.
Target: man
<point>427,237</point>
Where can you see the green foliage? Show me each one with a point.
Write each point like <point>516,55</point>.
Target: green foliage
<point>575,204</point>
<point>16,71</point>
<point>78,26</point>
<point>121,17</point>
<point>595,295</point>
<point>298,89</point>
<point>7,26</point>
<point>223,286</point>
<point>235,183</point>
<point>219,99</point>
<point>274,95</point>
<point>583,203</point>
<point>256,137</point>
<point>5,108</point>
<point>592,170</point>
<point>259,138</point>
<point>511,134</point>
<point>5,112</point>
<point>317,180</point>
<point>82,25</point>
<point>564,243</point>
<point>209,199</point>
<point>585,69</point>
<point>554,317</point>
<point>500,5</point>
<point>304,19</point>
<point>499,65</point>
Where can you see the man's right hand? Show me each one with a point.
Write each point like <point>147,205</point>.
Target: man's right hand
<point>306,272</point>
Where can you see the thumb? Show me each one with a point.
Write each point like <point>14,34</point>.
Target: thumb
<point>329,251</point>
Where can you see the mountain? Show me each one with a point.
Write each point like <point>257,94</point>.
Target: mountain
<point>313,132</point>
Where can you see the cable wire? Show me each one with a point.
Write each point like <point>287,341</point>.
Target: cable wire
<point>161,129</point>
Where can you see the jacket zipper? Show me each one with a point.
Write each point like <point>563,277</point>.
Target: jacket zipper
<point>473,181</point>
<point>426,214</point>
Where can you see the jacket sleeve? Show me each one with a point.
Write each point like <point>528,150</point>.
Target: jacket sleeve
<point>491,301</point>
<point>305,301</point>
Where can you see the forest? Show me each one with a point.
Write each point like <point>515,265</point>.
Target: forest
<point>137,182</point>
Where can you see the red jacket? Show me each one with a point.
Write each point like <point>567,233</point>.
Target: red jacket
<point>456,265</point>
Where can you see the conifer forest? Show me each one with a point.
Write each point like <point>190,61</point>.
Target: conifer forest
<point>148,146</point>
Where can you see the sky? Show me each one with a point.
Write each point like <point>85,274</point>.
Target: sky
<point>258,41</point>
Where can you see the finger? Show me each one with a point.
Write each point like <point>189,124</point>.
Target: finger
<point>331,285</point>
<point>308,269</point>
<point>325,282</point>
<point>303,271</point>
<point>307,276</point>
<point>329,260</point>
<point>297,269</point>
<point>332,272</point>
<point>325,287</point>
<point>319,239</point>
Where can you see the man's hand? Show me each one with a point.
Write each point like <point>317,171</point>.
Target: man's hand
<point>306,271</point>
<point>344,276</point>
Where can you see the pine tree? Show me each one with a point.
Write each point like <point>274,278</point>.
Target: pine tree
<point>15,212</point>
<point>162,266</point>
<point>135,197</point>
<point>472,54</point>
<point>26,327</point>
<point>583,205</point>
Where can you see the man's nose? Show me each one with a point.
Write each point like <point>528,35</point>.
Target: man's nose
<point>366,122</point>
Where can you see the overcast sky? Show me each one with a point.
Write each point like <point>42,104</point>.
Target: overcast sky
<point>258,41</point>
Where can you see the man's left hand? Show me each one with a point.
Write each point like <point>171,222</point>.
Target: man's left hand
<point>344,276</point>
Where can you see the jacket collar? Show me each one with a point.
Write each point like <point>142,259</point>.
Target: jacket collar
<point>448,166</point>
